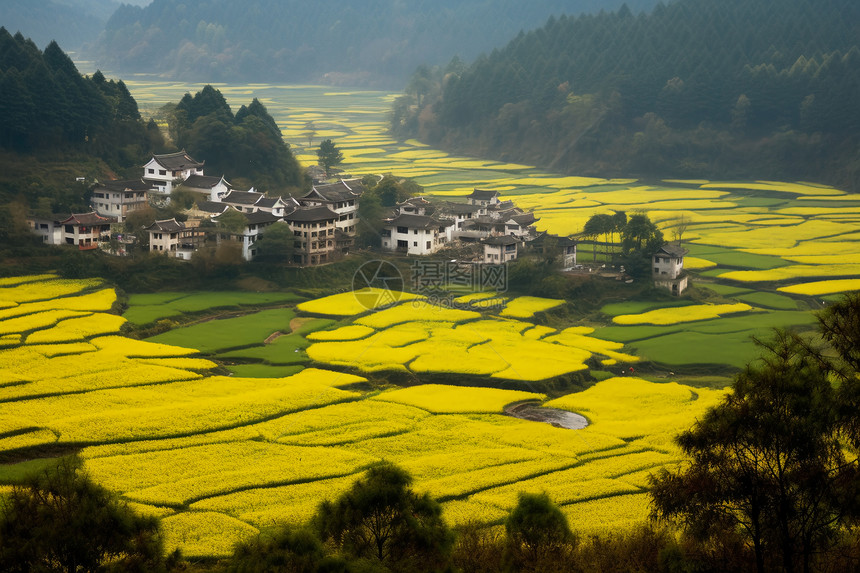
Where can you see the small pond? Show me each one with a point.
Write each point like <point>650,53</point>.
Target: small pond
<point>559,418</point>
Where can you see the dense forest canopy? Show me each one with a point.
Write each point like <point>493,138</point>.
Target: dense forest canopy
<point>692,88</point>
<point>245,147</point>
<point>374,42</point>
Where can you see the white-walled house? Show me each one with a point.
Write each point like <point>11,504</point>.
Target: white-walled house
<point>83,230</point>
<point>163,172</point>
<point>252,201</point>
<point>500,249</point>
<point>215,188</point>
<point>668,268</point>
<point>416,234</point>
<point>483,197</point>
<point>166,236</point>
<point>119,198</point>
<point>341,197</point>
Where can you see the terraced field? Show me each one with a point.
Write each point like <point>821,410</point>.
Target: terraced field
<point>219,458</point>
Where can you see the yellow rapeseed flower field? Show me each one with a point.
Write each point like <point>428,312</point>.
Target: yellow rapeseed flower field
<point>677,314</point>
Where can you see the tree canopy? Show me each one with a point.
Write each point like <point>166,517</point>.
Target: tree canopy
<point>722,89</point>
<point>59,520</point>
<point>247,147</point>
<point>329,156</point>
<point>768,464</point>
<point>380,518</point>
<point>45,103</point>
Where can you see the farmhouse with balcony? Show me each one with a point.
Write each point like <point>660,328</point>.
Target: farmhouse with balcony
<point>83,230</point>
<point>255,223</point>
<point>668,268</point>
<point>175,238</point>
<point>341,197</point>
<point>316,234</point>
<point>119,198</point>
<point>163,172</point>
<point>461,212</point>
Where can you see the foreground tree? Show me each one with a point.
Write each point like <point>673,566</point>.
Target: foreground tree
<point>59,520</point>
<point>768,464</point>
<point>381,520</point>
<point>538,537</point>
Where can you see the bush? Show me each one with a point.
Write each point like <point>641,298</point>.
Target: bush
<point>539,538</point>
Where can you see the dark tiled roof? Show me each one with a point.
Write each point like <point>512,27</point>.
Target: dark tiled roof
<point>460,208</point>
<point>212,207</point>
<point>525,219</point>
<point>267,202</point>
<point>308,214</point>
<point>415,202</point>
<point>177,161</point>
<point>204,181</point>
<point>258,217</point>
<point>333,193</point>
<point>91,218</point>
<point>483,194</point>
<point>167,226</point>
<point>672,250</point>
<point>242,197</point>
<point>501,240</point>
<point>125,185</point>
<point>417,222</point>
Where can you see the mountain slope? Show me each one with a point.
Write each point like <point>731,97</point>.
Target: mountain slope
<point>375,42</point>
<point>694,87</point>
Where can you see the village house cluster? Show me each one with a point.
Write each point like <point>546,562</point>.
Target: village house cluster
<point>323,221</point>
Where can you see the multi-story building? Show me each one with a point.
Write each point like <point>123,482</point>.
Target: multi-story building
<point>341,197</point>
<point>164,172</point>
<point>121,197</point>
<point>668,268</point>
<point>315,229</point>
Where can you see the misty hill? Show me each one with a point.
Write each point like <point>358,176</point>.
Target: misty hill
<point>373,42</point>
<point>695,87</point>
<point>71,23</point>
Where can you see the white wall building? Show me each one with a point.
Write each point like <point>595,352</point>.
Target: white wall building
<point>163,172</point>
<point>416,234</point>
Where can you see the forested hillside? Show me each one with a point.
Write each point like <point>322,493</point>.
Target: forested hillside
<point>374,42</point>
<point>246,147</point>
<point>693,88</point>
<point>71,23</point>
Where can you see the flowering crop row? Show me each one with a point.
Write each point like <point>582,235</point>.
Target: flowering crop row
<point>176,477</point>
<point>675,315</point>
<point>204,534</point>
<point>354,302</point>
<point>293,504</point>
<point>823,287</point>
<point>77,329</point>
<point>527,306</point>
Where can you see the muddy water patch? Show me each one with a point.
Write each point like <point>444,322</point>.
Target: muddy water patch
<point>533,412</point>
